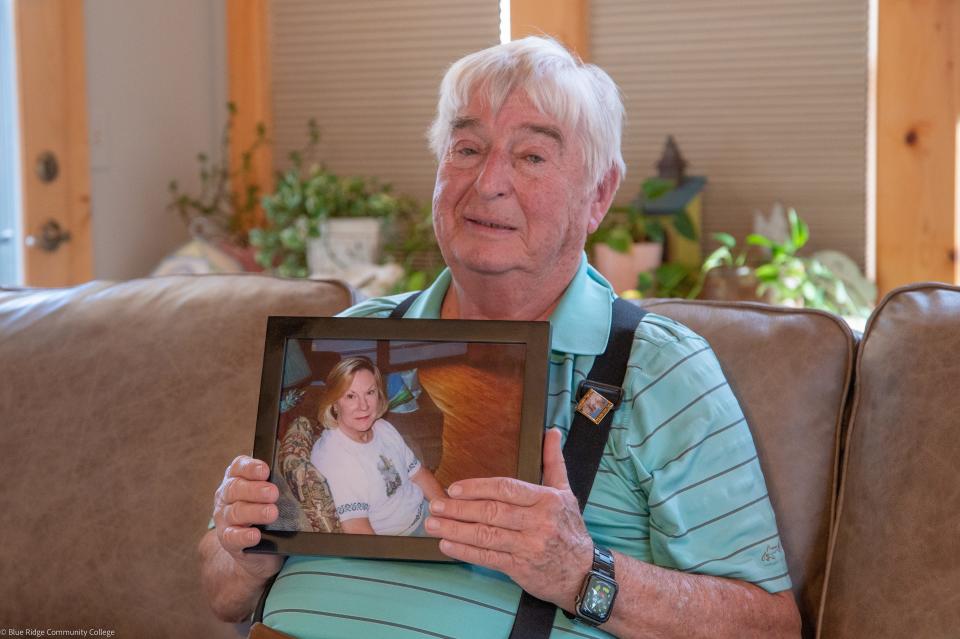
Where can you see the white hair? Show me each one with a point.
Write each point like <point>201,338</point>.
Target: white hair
<point>580,96</point>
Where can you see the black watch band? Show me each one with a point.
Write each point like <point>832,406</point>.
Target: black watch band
<point>599,590</point>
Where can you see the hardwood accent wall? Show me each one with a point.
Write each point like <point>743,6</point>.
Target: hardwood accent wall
<point>918,115</point>
<point>248,64</point>
<point>566,20</point>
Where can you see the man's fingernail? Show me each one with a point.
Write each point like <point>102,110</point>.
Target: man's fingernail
<point>267,511</point>
<point>436,506</point>
<point>432,524</point>
<point>252,536</point>
<point>267,491</point>
<point>455,490</point>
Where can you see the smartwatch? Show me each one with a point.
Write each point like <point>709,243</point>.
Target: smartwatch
<point>599,589</point>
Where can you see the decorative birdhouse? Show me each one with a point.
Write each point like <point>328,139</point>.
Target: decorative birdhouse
<point>683,204</point>
<point>671,165</point>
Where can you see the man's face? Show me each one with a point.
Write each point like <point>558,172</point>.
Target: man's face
<point>512,192</point>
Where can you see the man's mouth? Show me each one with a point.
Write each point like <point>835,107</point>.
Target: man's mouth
<point>491,225</point>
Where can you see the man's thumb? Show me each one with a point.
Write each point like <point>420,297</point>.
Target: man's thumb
<point>554,467</point>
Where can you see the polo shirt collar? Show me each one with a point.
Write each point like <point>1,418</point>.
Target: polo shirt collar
<point>427,305</point>
<point>580,323</point>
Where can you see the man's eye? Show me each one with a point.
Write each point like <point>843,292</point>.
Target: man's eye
<point>533,158</point>
<point>466,151</point>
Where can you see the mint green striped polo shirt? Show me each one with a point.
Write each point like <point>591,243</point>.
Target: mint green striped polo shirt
<point>679,485</point>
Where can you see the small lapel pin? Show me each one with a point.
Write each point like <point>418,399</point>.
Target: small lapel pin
<point>594,406</point>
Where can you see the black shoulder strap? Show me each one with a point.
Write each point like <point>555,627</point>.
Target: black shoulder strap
<point>584,447</point>
<point>400,309</point>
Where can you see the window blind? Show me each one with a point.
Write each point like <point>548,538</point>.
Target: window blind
<point>368,71</point>
<point>767,98</point>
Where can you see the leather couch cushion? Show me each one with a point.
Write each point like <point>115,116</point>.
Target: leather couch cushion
<point>895,562</point>
<point>790,368</point>
<point>121,404</point>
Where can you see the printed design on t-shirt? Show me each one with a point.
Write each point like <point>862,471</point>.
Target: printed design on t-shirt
<point>391,478</point>
<point>353,507</point>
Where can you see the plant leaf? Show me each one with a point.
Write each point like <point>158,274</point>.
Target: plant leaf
<point>726,239</point>
<point>767,273</point>
<point>684,225</point>
<point>755,239</point>
<point>654,188</point>
<point>653,230</point>
<point>619,240</point>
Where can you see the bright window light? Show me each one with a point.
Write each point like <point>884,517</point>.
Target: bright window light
<point>504,21</point>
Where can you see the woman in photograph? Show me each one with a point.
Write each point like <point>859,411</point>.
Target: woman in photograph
<point>378,484</point>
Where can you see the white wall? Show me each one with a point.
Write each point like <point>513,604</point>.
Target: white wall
<point>156,96</point>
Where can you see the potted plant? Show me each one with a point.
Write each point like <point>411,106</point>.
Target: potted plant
<point>628,242</point>
<point>304,233</point>
<point>793,280</point>
<point>782,277</point>
<point>221,214</point>
<point>725,274</point>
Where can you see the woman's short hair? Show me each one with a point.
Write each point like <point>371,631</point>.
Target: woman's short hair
<point>580,96</point>
<point>338,383</point>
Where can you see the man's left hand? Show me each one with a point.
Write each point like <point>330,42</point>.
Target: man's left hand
<point>534,534</point>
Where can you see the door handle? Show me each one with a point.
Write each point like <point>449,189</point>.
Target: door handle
<point>52,235</point>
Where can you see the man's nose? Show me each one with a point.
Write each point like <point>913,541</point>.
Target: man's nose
<point>496,176</point>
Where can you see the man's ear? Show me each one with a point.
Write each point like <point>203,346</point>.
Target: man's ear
<point>603,197</point>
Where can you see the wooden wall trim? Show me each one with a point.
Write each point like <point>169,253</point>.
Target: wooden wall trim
<point>566,20</point>
<point>918,106</point>
<point>248,72</point>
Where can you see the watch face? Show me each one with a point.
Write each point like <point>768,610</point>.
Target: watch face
<point>597,598</point>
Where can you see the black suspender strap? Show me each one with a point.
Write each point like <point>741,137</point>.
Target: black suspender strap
<point>584,446</point>
<point>400,309</point>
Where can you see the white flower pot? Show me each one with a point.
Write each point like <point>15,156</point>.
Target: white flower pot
<point>622,269</point>
<point>344,245</point>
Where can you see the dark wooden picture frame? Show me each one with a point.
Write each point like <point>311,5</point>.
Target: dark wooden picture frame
<point>464,363</point>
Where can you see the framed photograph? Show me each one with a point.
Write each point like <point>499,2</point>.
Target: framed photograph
<point>364,421</point>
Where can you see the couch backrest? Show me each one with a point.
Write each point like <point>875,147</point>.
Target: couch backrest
<point>120,406</point>
<point>790,369</point>
<point>895,562</point>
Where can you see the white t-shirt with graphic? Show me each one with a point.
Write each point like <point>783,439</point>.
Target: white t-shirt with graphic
<point>372,479</point>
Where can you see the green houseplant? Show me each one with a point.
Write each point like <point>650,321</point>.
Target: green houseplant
<point>802,281</point>
<point>783,276</point>
<point>226,204</point>
<point>628,224</point>
<point>306,198</point>
<point>629,243</point>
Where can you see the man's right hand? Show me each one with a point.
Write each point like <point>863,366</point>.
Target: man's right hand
<point>245,498</point>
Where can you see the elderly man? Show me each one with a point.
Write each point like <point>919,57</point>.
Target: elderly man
<point>528,143</point>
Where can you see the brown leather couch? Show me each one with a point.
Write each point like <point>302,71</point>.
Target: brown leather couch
<point>121,404</point>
